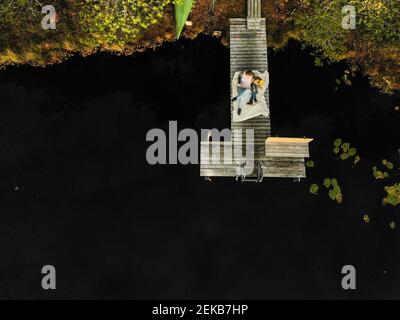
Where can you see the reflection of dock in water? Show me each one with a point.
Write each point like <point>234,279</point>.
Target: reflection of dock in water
<point>273,157</point>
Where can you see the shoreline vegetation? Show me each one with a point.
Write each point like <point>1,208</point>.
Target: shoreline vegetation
<point>128,26</point>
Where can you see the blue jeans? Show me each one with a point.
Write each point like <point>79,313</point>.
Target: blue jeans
<point>240,91</point>
<point>254,92</point>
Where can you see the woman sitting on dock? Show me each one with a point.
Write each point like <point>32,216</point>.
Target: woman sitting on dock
<point>244,89</point>
<point>248,90</point>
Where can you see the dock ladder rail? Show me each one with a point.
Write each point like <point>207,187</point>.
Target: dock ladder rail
<point>258,179</point>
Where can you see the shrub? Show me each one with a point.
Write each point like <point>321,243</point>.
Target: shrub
<point>120,21</point>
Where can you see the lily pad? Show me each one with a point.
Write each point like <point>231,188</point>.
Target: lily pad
<point>344,156</point>
<point>339,198</point>
<point>310,164</point>
<point>332,194</point>
<point>314,189</point>
<point>352,152</point>
<point>346,146</point>
<point>327,182</point>
<point>337,142</point>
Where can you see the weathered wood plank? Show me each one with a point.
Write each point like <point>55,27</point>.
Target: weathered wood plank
<point>248,51</point>
<point>254,8</point>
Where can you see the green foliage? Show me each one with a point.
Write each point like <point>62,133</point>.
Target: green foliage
<point>182,11</point>
<point>335,192</point>
<point>321,27</point>
<point>388,164</point>
<point>374,43</point>
<point>393,195</point>
<point>314,189</point>
<point>344,156</point>
<point>392,225</point>
<point>120,21</point>
<point>347,151</point>
<point>327,183</point>
<point>379,174</point>
<point>318,62</point>
<point>22,38</point>
<point>352,152</point>
<point>377,21</point>
<point>346,146</point>
<point>338,142</point>
<point>345,79</point>
<point>310,164</point>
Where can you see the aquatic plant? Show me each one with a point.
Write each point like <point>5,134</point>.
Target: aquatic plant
<point>388,164</point>
<point>380,174</point>
<point>345,150</point>
<point>334,190</point>
<point>310,164</point>
<point>393,195</point>
<point>314,189</point>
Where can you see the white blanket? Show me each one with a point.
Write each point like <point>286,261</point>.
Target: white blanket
<point>250,111</point>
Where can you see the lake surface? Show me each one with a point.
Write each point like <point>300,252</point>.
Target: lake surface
<point>76,191</point>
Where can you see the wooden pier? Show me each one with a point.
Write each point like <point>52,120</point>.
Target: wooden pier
<point>273,157</point>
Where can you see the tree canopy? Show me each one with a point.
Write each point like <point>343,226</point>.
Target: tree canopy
<point>126,26</point>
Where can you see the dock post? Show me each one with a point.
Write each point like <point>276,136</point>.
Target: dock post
<point>253,14</point>
<point>254,9</point>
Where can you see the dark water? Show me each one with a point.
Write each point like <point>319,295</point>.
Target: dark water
<point>73,141</point>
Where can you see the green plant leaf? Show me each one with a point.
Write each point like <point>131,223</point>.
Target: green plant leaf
<point>389,165</point>
<point>182,11</point>
<point>337,142</point>
<point>357,159</point>
<point>334,182</point>
<point>310,164</point>
<point>352,152</point>
<point>336,150</point>
<point>346,146</point>
<point>392,225</point>
<point>327,183</point>
<point>339,198</point>
<point>386,175</point>
<point>344,156</point>
<point>314,189</point>
<point>337,189</point>
<point>332,194</point>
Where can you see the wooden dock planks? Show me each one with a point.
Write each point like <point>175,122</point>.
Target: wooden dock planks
<point>249,51</point>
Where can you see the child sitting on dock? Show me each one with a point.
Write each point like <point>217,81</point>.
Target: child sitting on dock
<point>256,83</point>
